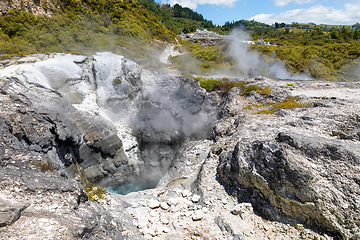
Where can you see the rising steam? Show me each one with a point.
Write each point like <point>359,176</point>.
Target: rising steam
<point>251,63</point>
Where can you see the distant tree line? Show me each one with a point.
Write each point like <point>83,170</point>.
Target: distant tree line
<point>177,18</point>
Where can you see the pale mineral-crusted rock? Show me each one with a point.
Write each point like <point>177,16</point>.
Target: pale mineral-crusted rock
<point>198,215</point>
<point>204,37</point>
<point>164,206</point>
<point>153,204</point>
<point>186,193</point>
<point>195,198</point>
<point>242,209</point>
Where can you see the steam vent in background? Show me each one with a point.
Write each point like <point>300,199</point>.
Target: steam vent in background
<point>177,162</point>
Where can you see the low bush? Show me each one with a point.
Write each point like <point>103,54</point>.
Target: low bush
<point>46,165</point>
<point>95,193</point>
<point>289,103</point>
<point>222,86</point>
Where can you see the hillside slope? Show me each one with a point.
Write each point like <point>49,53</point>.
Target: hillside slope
<point>84,27</point>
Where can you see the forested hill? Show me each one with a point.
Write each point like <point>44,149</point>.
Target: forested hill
<point>177,18</point>
<point>139,29</point>
<point>73,26</point>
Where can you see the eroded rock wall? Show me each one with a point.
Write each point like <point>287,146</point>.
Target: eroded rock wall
<point>36,7</point>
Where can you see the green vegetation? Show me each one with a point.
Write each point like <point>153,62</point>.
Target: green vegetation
<point>224,85</point>
<point>320,51</point>
<point>289,103</point>
<point>84,27</point>
<point>252,106</point>
<point>177,18</point>
<point>140,29</point>
<point>265,91</point>
<point>95,193</point>
<point>46,165</point>
<point>117,81</point>
<point>202,60</point>
<point>327,61</point>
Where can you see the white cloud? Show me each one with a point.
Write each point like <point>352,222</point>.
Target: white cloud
<point>282,3</point>
<point>318,14</point>
<point>192,4</point>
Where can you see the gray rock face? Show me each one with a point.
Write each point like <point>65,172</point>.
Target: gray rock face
<point>294,167</point>
<point>61,114</point>
<point>124,126</point>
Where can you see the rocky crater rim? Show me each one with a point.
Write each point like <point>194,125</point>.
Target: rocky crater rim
<point>141,117</point>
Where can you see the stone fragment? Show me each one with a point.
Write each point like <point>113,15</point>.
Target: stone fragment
<point>172,201</point>
<point>242,209</point>
<point>153,203</point>
<point>153,213</point>
<point>186,193</point>
<point>166,229</point>
<point>195,198</point>
<point>164,220</point>
<point>10,212</point>
<point>198,215</point>
<point>164,206</point>
<point>356,236</point>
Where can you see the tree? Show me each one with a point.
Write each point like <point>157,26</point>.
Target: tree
<point>334,34</point>
<point>356,34</point>
<point>182,14</point>
<point>356,25</point>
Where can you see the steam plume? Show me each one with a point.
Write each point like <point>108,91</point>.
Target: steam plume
<point>251,63</point>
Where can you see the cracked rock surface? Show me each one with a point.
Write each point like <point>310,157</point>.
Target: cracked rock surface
<point>292,174</point>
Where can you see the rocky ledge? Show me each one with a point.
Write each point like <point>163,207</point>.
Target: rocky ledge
<point>204,37</point>
<point>252,173</point>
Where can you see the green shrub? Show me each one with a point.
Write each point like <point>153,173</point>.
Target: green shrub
<point>211,84</point>
<point>247,90</point>
<point>117,81</point>
<point>95,193</point>
<point>289,103</point>
<point>252,106</point>
<point>46,166</point>
<point>265,91</point>
<point>222,86</point>
<point>82,29</point>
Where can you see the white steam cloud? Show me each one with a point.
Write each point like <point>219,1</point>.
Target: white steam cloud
<point>252,64</point>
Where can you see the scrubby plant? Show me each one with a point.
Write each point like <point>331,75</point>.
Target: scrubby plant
<point>265,91</point>
<point>95,193</point>
<point>247,90</point>
<point>82,27</point>
<point>252,106</point>
<point>289,103</point>
<point>290,84</point>
<point>46,165</point>
<point>117,81</point>
<point>220,85</point>
<point>224,85</point>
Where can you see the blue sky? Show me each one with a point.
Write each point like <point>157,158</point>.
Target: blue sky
<point>270,11</point>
